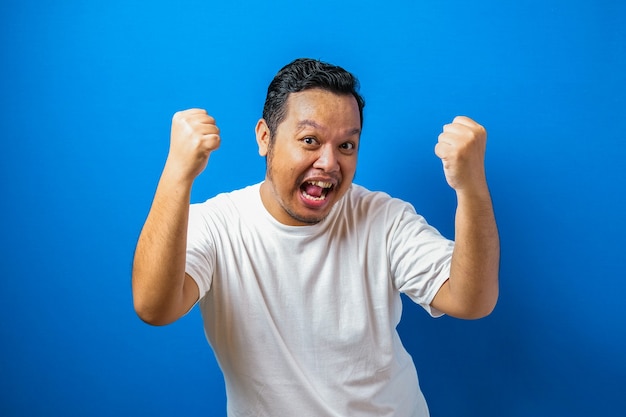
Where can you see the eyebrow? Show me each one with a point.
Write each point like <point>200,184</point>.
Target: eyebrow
<point>312,123</point>
<point>308,123</point>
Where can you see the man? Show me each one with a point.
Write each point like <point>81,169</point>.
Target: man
<point>299,278</point>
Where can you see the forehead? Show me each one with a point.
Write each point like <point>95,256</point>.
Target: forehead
<point>322,109</point>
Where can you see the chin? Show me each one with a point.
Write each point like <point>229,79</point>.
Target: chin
<point>308,220</point>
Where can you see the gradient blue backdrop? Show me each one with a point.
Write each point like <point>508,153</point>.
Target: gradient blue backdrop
<point>87,91</point>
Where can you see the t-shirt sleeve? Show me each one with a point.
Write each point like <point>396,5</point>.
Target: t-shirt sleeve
<point>200,255</point>
<point>420,258</point>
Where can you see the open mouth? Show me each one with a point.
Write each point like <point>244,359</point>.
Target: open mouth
<point>316,190</point>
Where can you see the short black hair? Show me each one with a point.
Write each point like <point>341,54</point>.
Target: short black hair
<point>304,74</point>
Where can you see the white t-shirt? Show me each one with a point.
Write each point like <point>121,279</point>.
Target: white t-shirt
<point>302,319</point>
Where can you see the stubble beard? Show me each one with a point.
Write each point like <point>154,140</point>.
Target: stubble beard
<point>270,177</point>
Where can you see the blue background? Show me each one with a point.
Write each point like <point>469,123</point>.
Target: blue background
<point>87,91</point>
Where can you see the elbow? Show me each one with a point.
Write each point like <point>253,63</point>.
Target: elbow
<point>459,302</point>
<point>150,313</point>
<point>473,307</point>
<point>478,301</point>
<point>153,307</point>
<point>480,308</point>
<point>473,313</point>
<point>479,312</point>
<point>149,319</point>
<point>148,316</point>
<point>152,319</point>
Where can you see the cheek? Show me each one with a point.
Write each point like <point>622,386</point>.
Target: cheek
<point>349,168</point>
<point>294,166</point>
<point>284,175</point>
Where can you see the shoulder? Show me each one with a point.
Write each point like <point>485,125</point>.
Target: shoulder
<point>236,197</point>
<point>365,201</point>
<point>225,206</point>
<point>364,209</point>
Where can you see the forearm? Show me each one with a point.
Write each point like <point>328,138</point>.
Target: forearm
<point>159,265</point>
<point>473,282</point>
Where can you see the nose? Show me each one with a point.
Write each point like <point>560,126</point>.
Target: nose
<point>327,159</point>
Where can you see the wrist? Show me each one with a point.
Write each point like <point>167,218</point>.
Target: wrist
<point>476,194</point>
<point>176,176</point>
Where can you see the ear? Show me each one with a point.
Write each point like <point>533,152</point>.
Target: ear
<point>262,136</point>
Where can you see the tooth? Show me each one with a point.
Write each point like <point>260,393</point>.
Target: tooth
<point>321,184</point>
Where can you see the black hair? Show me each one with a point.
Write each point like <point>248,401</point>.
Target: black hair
<point>303,74</point>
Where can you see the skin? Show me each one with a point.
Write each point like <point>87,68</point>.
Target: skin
<point>317,141</point>
<point>162,292</point>
<point>471,292</point>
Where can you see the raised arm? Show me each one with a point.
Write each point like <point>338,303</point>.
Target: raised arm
<point>162,291</point>
<point>472,290</point>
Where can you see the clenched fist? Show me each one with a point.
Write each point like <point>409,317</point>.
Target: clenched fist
<point>461,148</point>
<point>194,136</point>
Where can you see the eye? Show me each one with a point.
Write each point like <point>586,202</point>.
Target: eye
<point>347,146</point>
<point>309,140</point>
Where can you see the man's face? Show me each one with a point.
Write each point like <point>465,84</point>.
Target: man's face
<point>312,160</point>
